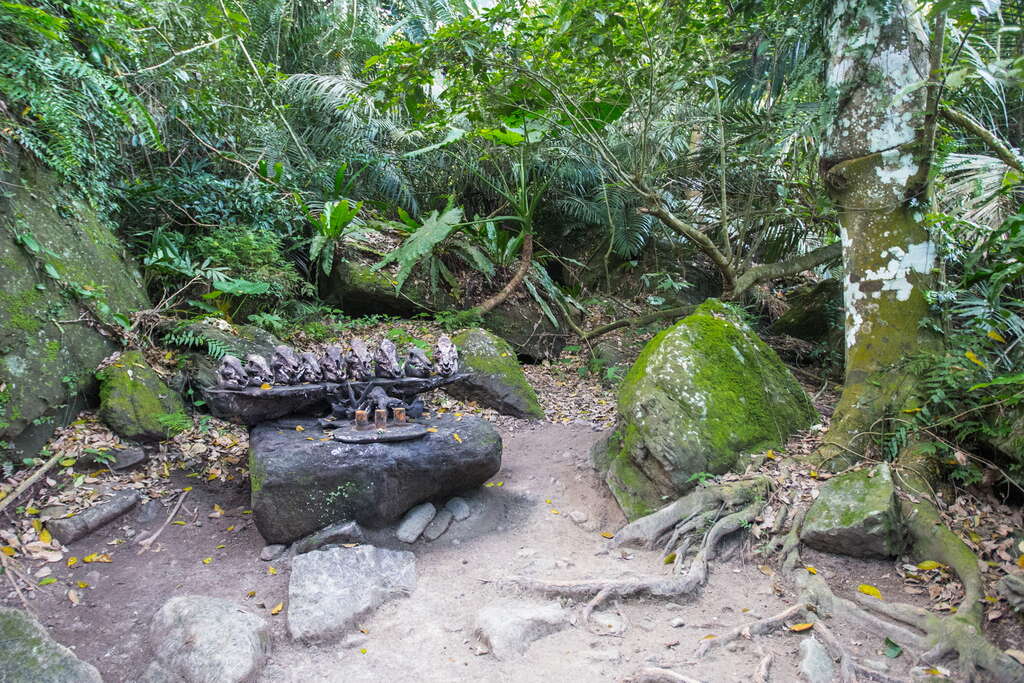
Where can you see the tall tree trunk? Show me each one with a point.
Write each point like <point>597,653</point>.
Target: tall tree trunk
<point>875,167</point>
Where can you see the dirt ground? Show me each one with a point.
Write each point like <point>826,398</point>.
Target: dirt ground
<point>520,526</point>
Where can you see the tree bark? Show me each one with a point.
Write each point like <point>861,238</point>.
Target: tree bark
<point>874,166</point>
<point>525,260</point>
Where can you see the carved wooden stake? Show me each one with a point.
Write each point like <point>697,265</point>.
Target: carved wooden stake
<point>380,418</point>
<point>399,415</point>
<point>362,419</point>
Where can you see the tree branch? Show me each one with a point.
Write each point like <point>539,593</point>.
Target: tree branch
<point>678,312</point>
<point>1007,155</point>
<point>770,271</point>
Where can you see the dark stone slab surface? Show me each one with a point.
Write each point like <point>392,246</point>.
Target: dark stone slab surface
<point>301,483</point>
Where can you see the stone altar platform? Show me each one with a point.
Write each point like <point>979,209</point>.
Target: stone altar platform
<point>304,480</point>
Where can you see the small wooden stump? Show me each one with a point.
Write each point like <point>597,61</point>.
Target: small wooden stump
<point>399,414</point>
<point>380,418</point>
<point>362,419</point>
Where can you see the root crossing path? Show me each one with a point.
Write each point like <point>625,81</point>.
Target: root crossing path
<point>542,520</point>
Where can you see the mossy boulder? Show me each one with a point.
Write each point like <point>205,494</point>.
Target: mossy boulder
<point>358,289</point>
<point>133,399</point>
<point>55,253</point>
<point>855,514</point>
<point>701,394</point>
<point>815,314</point>
<point>495,379</point>
<point>30,654</point>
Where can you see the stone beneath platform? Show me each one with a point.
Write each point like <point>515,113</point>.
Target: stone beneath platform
<point>301,484</point>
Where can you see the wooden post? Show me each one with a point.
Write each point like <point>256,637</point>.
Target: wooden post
<point>380,418</point>
<point>399,415</point>
<point>362,419</point>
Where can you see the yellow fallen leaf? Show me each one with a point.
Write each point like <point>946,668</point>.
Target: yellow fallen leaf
<point>187,488</point>
<point>300,428</point>
<point>548,501</point>
<point>45,536</point>
<point>37,525</point>
<point>709,636</point>
<point>166,472</point>
<point>251,594</point>
<point>670,558</point>
<point>500,483</point>
<point>1020,561</point>
<point>83,584</point>
<point>349,545</point>
<point>489,484</point>
<point>207,560</point>
<point>276,609</point>
<point>231,528</point>
<point>11,552</point>
<point>555,512</point>
<point>362,650</point>
<point>992,334</point>
<point>72,561</point>
<point>271,571</point>
<point>457,437</point>
<point>868,589</point>
<point>770,454</point>
<point>607,534</point>
<point>929,564</point>
<point>813,474</point>
<point>431,429</point>
<point>221,546</point>
<point>90,558</point>
<point>264,386</point>
<point>178,522</point>
<point>801,627</point>
<point>246,512</point>
<point>3,494</point>
<point>31,511</point>
<point>811,570</point>
<point>973,357</point>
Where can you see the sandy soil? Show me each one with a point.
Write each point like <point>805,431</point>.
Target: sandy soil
<point>520,525</point>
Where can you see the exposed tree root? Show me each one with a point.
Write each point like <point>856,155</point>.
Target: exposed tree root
<point>763,671</point>
<point>655,674</point>
<point>655,586</point>
<point>755,628</point>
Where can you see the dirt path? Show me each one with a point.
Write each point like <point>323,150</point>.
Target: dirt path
<point>520,525</point>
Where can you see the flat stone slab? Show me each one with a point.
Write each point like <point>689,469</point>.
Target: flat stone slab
<point>254,405</point>
<point>507,627</point>
<point>411,430</point>
<point>331,590</point>
<point>301,484</point>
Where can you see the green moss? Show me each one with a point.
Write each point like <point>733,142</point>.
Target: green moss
<point>257,473</point>
<point>52,349</point>
<point>133,399</point>
<point>494,363</point>
<point>21,310</point>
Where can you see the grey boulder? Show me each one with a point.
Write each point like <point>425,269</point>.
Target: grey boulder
<point>855,514</point>
<point>414,522</point>
<point>508,627</point>
<point>28,653</point>
<point>494,378</point>
<point>320,483</point>
<point>201,639</point>
<point>331,590</point>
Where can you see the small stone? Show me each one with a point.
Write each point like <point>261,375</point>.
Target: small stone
<point>335,534</point>
<point>438,525</point>
<point>459,508</point>
<point>678,622</point>
<point>815,663</point>
<point>507,627</point>
<point>123,459</point>
<point>578,517</point>
<point>608,623</point>
<point>415,521</point>
<point>525,552</point>
<point>70,529</point>
<point>202,638</point>
<point>148,512</point>
<point>354,640</point>
<point>272,552</point>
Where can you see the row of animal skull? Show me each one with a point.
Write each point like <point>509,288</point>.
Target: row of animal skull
<point>336,365</point>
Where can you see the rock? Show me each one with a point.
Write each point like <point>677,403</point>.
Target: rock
<point>701,394</point>
<point>47,369</point>
<point>254,405</point>
<point>608,623</point>
<point>855,514</point>
<point>414,522</point>
<point>678,622</point>
<point>494,378</point>
<point>331,590</point>
<point>529,331</point>
<point>323,482</point>
<point>438,525</point>
<point>508,627</point>
<point>272,552</point>
<point>69,529</point>
<point>29,654</point>
<point>607,655</point>
<point>578,517</point>
<point>127,457</point>
<point>335,534</point>
<point>459,508</point>
<point>815,663</point>
<point>133,398</point>
<point>815,314</point>
<point>1011,587</point>
<point>198,638</point>
<point>148,512</point>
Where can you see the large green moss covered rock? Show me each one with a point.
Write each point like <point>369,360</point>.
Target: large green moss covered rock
<point>54,253</point>
<point>133,399</point>
<point>815,314</point>
<point>358,289</point>
<point>701,394</point>
<point>495,379</point>
<point>28,653</point>
<point>855,514</point>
